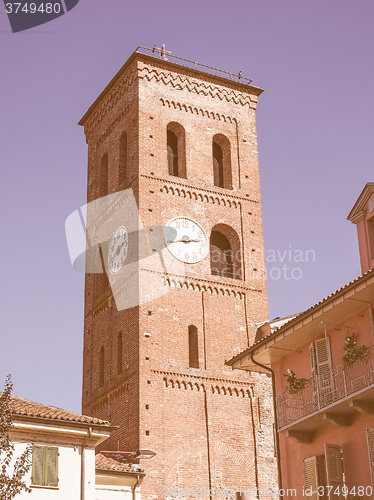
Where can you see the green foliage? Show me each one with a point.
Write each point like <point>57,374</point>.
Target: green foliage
<point>12,470</point>
<point>295,384</point>
<point>354,352</point>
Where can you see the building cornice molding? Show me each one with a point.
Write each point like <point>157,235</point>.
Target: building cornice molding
<point>180,81</point>
<point>359,207</point>
<point>191,191</point>
<point>203,112</point>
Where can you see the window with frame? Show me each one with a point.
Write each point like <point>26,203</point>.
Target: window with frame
<point>44,466</point>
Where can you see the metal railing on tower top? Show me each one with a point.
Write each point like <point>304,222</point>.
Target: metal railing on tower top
<point>166,54</point>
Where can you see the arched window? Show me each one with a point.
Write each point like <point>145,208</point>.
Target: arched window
<point>222,162</point>
<point>123,167</point>
<point>119,353</point>
<point>217,165</point>
<point>176,148</point>
<point>104,176</point>
<point>193,347</point>
<point>225,254</point>
<point>101,367</point>
<point>172,153</point>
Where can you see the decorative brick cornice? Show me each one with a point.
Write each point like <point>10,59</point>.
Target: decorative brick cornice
<point>192,192</point>
<point>112,126</point>
<point>110,101</point>
<point>198,111</point>
<point>203,285</point>
<point>197,86</point>
<point>186,381</point>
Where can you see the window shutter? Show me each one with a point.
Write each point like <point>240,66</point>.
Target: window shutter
<point>37,465</point>
<point>51,465</point>
<point>312,359</point>
<point>370,434</point>
<point>334,470</point>
<point>323,362</point>
<point>311,477</point>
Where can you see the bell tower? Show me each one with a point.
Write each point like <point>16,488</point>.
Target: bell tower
<point>181,141</point>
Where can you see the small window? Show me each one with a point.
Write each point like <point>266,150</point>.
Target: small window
<point>119,354</point>
<point>176,149</point>
<point>193,347</point>
<point>44,466</point>
<point>101,367</point>
<point>123,167</point>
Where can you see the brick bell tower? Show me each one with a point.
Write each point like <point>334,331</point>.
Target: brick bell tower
<point>184,141</point>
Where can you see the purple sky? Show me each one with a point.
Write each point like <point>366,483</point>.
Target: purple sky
<point>315,131</point>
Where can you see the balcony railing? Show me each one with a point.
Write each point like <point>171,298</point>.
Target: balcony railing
<point>331,386</point>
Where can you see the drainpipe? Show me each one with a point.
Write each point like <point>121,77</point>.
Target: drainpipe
<point>275,420</point>
<point>83,472</point>
<point>133,488</point>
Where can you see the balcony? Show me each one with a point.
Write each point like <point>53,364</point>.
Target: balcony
<point>333,396</point>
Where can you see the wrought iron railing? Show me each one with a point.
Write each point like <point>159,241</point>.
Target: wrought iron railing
<point>329,387</point>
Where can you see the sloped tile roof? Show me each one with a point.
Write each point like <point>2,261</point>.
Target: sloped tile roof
<point>106,463</point>
<point>21,406</point>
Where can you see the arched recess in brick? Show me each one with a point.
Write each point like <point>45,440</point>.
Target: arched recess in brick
<point>123,173</point>
<point>222,161</point>
<point>176,148</point>
<point>104,189</point>
<point>225,252</point>
<point>119,352</point>
<point>101,367</point>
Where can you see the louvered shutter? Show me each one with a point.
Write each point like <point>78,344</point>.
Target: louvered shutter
<point>334,470</point>
<point>370,434</point>
<point>37,465</point>
<point>51,466</point>
<point>323,362</point>
<point>311,477</point>
<point>313,367</point>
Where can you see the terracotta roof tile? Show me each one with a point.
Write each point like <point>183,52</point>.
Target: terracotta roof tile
<point>106,463</point>
<point>21,406</point>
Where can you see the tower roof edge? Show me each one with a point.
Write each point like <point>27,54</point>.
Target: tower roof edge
<point>165,63</point>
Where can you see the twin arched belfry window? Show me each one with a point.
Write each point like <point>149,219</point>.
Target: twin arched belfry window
<point>221,155</point>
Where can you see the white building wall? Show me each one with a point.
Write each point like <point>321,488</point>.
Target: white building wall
<point>69,475</point>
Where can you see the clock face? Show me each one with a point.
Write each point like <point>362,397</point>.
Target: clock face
<point>186,240</point>
<point>118,250</point>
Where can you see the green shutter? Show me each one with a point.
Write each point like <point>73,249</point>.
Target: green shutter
<point>37,465</point>
<point>51,467</point>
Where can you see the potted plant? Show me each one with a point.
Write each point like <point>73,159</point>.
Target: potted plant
<point>295,384</point>
<point>354,352</point>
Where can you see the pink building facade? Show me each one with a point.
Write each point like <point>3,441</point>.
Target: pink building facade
<point>322,365</point>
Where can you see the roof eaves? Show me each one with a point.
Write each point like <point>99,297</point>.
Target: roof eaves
<point>299,317</point>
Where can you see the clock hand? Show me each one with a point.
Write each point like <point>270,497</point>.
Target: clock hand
<point>185,241</point>
<point>119,248</point>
